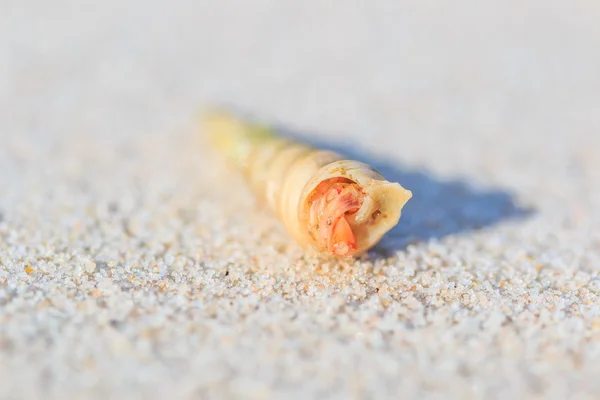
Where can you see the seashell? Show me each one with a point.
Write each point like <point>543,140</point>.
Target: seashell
<point>328,204</point>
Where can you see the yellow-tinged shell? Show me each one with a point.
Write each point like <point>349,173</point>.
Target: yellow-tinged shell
<point>284,174</point>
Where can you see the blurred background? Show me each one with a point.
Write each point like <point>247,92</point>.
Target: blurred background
<point>489,111</point>
<point>481,70</point>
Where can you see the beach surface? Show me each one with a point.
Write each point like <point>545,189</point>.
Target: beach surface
<point>135,264</point>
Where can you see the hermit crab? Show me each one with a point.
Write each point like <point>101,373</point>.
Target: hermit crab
<point>330,205</point>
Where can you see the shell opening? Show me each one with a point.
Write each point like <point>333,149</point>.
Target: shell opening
<point>335,206</point>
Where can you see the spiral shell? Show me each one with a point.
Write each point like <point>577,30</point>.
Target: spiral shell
<point>327,203</point>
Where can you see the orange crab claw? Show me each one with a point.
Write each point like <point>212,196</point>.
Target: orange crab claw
<point>342,238</point>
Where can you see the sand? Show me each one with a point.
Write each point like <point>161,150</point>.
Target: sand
<point>134,264</point>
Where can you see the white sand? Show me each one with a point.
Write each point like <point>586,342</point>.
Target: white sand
<point>134,265</point>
